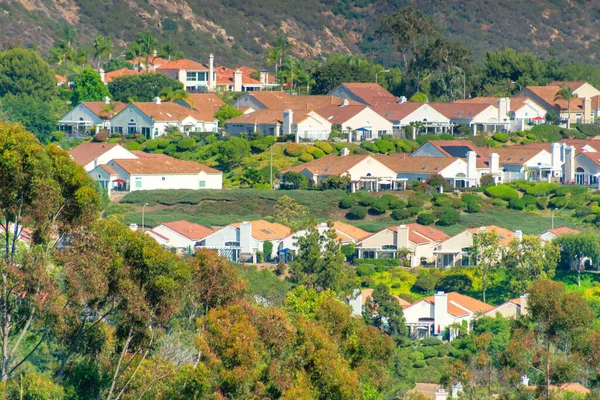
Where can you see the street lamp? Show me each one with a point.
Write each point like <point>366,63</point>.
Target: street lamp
<point>555,209</point>
<point>143,212</point>
<point>385,71</point>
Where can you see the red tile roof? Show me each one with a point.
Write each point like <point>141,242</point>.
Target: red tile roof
<point>573,84</point>
<point>401,162</point>
<point>371,93</point>
<point>351,230</point>
<point>173,112</point>
<point>264,230</point>
<point>420,234</point>
<point>167,165</point>
<point>471,304</point>
<point>548,94</point>
<point>340,114</point>
<point>97,107</point>
<point>109,76</point>
<point>366,293</point>
<point>459,110</point>
<point>108,169</point>
<point>395,111</point>
<point>331,164</point>
<point>506,235</point>
<point>515,102</point>
<point>563,230</point>
<point>183,63</point>
<point>87,152</point>
<point>189,230</point>
<point>259,117</point>
<point>61,79</point>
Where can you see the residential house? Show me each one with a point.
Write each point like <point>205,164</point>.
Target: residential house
<point>303,125</point>
<point>61,80</point>
<point>89,116</point>
<point>159,171</point>
<point>514,308</point>
<point>279,100</point>
<point>358,122</point>
<point>554,233</point>
<point>182,235</point>
<point>89,154</point>
<point>485,117</point>
<point>148,64</point>
<point>359,302</point>
<point>432,315</point>
<point>365,171</point>
<point>153,119</point>
<point>108,179</point>
<point>390,242</point>
<point>409,169</point>
<point>406,116</point>
<point>370,94</point>
<point>345,234</point>
<point>108,77</point>
<point>240,242</point>
<point>202,101</point>
<point>522,112</point>
<point>582,169</point>
<point>454,251</point>
<point>240,80</point>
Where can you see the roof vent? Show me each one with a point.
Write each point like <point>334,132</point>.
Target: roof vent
<point>168,115</point>
<point>157,100</point>
<point>344,152</point>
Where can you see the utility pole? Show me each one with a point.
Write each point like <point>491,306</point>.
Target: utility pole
<point>272,165</point>
<point>143,215</point>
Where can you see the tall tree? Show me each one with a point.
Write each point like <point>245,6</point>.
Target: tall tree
<point>24,72</point>
<point>578,248</point>
<point>88,86</point>
<point>567,94</point>
<point>147,45</point>
<point>37,116</point>
<point>486,253</point>
<point>383,310</point>
<point>141,87</point>
<point>102,48</point>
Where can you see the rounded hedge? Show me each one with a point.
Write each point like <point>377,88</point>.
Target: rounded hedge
<point>151,145</point>
<point>503,192</point>
<point>347,202</point>
<point>305,157</point>
<point>185,144</point>
<point>379,207</point>
<point>516,204</point>
<point>133,146</point>
<point>324,147</point>
<point>293,150</point>
<point>500,137</point>
<point>448,217</point>
<point>426,218</point>
<point>318,153</point>
<point>357,213</point>
<point>401,214</point>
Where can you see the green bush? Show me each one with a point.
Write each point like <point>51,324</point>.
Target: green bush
<point>426,218</point>
<point>521,133</point>
<point>163,143</point>
<point>364,269</point>
<point>529,200</point>
<point>430,341</point>
<point>379,207</point>
<point>151,145</point>
<point>589,129</point>
<point>305,157</point>
<point>133,146</point>
<point>185,144</point>
<point>293,180</point>
<point>414,202</point>
<point>500,137</point>
<point>542,189</point>
<point>347,202</point>
<point>558,202</point>
<point>414,210</point>
<point>516,204</point>
<point>542,202</point>
<point>419,364</point>
<point>364,199</point>
<point>318,153</point>
<point>470,198</point>
<point>370,146</point>
<point>396,203</point>
<point>455,283</point>
<point>425,282</point>
<point>448,217</point>
<point>429,352</point>
<point>473,208</point>
<point>348,250</point>
<point>380,262</point>
<point>293,149</point>
<point>324,147</point>
<point>487,180</point>
<point>357,213</point>
<point>385,147</point>
<point>416,356</point>
<point>401,214</point>
<point>503,192</point>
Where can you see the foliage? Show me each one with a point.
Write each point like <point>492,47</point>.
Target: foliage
<point>227,112</point>
<point>460,283</point>
<point>335,182</point>
<point>293,149</point>
<point>500,137</point>
<point>289,212</point>
<point>383,311</point>
<point>503,192</point>
<point>88,87</point>
<point>23,72</point>
<point>485,252</point>
<point>575,249</point>
<point>529,261</point>
<point>115,64</point>
<point>449,216</point>
<point>426,218</point>
<point>347,202</point>
<point>141,87</point>
<point>357,212</point>
<point>37,116</point>
<point>233,151</point>
<point>293,180</point>
<point>426,282</point>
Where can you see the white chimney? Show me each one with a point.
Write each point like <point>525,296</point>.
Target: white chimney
<point>472,176</point>
<point>523,299</point>
<point>237,80</point>
<point>246,237</point>
<point>155,53</point>
<point>440,312</point>
<point>519,236</point>
<point>182,76</point>
<point>356,302</point>
<point>555,152</point>
<point>503,109</point>
<point>587,110</point>
<point>525,380</point>
<point>345,103</point>
<point>441,394</point>
<point>157,100</point>
<point>211,69</point>
<point>264,76</point>
<point>569,171</point>
<point>102,75</point>
<point>402,237</point>
<point>133,227</point>
<point>402,99</point>
<point>288,120</point>
<point>494,163</point>
<point>344,152</point>
<point>106,100</point>
<point>322,228</point>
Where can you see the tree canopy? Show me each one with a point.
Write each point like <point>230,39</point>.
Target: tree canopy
<point>141,87</point>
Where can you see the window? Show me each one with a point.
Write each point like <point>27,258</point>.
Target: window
<point>191,76</point>
<point>138,183</point>
<point>164,179</point>
<point>232,244</point>
<point>117,129</point>
<point>99,176</point>
<point>146,132</point>
<point>203,76</point>
<point>381,133</point>
<point>131,127</point>
<point>202,184</point>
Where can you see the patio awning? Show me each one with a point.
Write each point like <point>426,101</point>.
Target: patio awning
<point>119,180</point>
<point>538,119</point>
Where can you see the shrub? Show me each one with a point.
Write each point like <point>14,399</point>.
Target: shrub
<point>448,217</point>
<point>315,152</point>
<point>267,249</point>
<point>163,143</point>
<point>293,180</point>
<point>516,204</point>
<point>414,210</point>
<point>364,269</point>
<point>378,263</point>
<point>324,147</point>
<point>542,202</point>
<point>133,146</point>
<point>429,352</point>
<point>365,199</point>
<point>437,181</point>
<point>473,208</point>
<point>396,203</point>
<point>470,198</point>
<point>305,157</point>
<point>430,341</point>
<point>419,364</point>
<point>529,200</point>
<point>455,283</point>
<point>348,250</point>
<point>414,202</point>
<point>384,146</point>
<point>185,144</point>
<point>500,137</point>
<point>558,202</point>
<point>370,146</point>
<point>425,282</point>
<point>379,207</point>
<point>426,218</point>
<point>521,133</point>
<point>339,146</point>
<point>357,213</point>
<point>335,182</point>
<point>293,149</point>
<point>503,192</point>
<point>442,201</point>
<point>589,129</point>
<point>499,202</point>
<point>542,189</point>
<point>347,202</point>
<point>401,214</point>
<point>487,180</point>
<point>151,145</point>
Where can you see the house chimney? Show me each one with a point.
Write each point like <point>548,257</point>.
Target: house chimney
<point>555,150</point>
<point>237,80</point>
<point>264,76</point>
<point>519,236</point>
<point>288,120</point>
<point>587,110</point>
<point>322,228</point>
<point>345,103</point>
<point>525,380</point>
<point>102,75</point>
<point>524,306</point>
<point>441,394</point>
<point>569,170</point>
<point>344,152</point>
<point>503,109</point>
<point>402,237</point>
<point>494,163</point>
<point>157,100</point>
<point>211,69</point>
<point>402,99</point>
<point>154,53</point>
<point>246,237</point>
<point>472,177</point>
<point>356,302</point>
<point>106,100</point>
<point>440,312</point>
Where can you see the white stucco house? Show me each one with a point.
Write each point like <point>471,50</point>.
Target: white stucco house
<point>483,117</point>
<point>365,171</point>
<point>551,234</point>
<point>90,115</point>
<point>90,154</point>
<point>240,242</point>
<point>182,235</point>
<point>359,122</point>
<point>402,115</point>
<point>192,74</point>
<point>521,112</point>
<point>152,119</point>
<point>419,169</point>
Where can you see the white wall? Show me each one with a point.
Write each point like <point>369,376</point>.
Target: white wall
<point>370,166</point>
<point>425,112</point>
<point>369,118</point>
<point>490,114</point>
<point>418,310</point>
<point>175,239</point>
<point>230,234</point>
<point>115,153</point>
<point>529,110</point>
<point>314,127</point>
<point>173,181</point>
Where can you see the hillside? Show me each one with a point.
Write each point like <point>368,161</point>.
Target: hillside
<point>240,31</point>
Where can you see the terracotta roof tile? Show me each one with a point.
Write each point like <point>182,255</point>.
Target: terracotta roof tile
<point>471,304</point>
<point>371,93</point>
<point>573,84</point>
<point>459,110</point>
<point>278,100</point>
<point>351,230</point>
<point>340,114</point>
<point>259,117</point>
<point>401,162</point>
<point>167,165</point>
<point>109,76</point>
<point>395,111</point>
<point>548,94</point>
<point>172,112</point>
<point>264,230</point>
<point>366,293</point>
<point>61,79</point>
<point>153,232</point>
<point>183,63</point>
<point>108,169</point>
<point>87,152</point>
<point>506,235</point>
<point>515,102</point>
<point>331,164</point>
<point>420,234</point>
<point>188,229</point>
<point>97,108</point>
<point>563,230</point>
<point>225,77</point>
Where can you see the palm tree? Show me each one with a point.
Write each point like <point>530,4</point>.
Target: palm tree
<point>102,47</point>
<point>173,95</point>
<point>277,54</point>
<point>147,45</point>
<point>566,93</point>
<point>170,52</point>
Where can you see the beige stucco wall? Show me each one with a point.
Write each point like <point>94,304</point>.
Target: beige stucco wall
<point>370,166</point>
